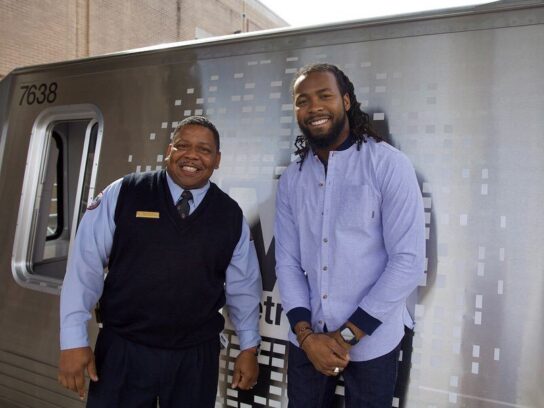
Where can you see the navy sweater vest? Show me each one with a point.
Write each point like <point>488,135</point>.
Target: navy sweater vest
<point>166,276</point>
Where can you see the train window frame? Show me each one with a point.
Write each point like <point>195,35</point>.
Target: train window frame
<point>32,210</point>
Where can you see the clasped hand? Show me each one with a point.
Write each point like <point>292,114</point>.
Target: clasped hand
<point>326,352</point>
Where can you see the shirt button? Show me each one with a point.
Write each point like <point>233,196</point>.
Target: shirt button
<point>324,296</point>
<point>320,184</point>
<point>325,240</point>
<point>320,322</point>
<point>325,268</point>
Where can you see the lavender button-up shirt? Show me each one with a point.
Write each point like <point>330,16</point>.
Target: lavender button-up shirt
<point>350,243</point>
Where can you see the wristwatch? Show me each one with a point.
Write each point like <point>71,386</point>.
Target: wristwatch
<point>348,336</point>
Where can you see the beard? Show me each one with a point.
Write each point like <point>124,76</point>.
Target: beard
<point>325,140</point>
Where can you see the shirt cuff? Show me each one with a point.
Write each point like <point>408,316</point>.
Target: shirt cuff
<point>364,321</point>
<point>73,337</point>
<point>298,314</point>
<point>248,339</point>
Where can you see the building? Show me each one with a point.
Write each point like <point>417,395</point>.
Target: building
<point>42,31</point>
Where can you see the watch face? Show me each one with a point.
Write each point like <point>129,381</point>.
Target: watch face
<point>347,335</point>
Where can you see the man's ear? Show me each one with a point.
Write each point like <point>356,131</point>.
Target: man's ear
<point>217,160</point>
<point>168,151</point>
<point>347,102</point>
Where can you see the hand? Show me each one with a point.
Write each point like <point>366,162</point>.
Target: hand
<point>72,366</point>
<point>325,353</point>
<point>246,370</point>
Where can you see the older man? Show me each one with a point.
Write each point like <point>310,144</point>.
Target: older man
<point>177,250</point>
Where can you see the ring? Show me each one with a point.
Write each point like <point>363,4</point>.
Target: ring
<point>336,370</point>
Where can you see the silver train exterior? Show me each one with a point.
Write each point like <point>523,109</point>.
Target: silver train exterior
<point>461,92</point>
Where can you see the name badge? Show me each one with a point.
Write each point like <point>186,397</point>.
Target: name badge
<point>147,214</point>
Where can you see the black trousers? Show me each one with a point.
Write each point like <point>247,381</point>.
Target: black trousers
<point>136,376</point>
<point>368,384</point>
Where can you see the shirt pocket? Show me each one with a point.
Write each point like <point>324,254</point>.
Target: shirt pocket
<point>358,208</point>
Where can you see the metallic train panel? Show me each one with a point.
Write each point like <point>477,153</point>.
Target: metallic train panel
<point>461,94</point>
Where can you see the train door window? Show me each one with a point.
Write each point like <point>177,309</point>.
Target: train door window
<point>55,223</point>
<point>59,181</point>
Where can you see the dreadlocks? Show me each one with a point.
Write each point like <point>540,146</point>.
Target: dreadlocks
<point>359,121</point>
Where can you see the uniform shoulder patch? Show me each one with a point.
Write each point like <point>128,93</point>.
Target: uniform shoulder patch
<point>95,202</point>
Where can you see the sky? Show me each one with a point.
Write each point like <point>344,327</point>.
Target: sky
<point>311,12</point>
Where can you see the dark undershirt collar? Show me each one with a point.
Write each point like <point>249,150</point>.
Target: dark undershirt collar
<point>346,144</point>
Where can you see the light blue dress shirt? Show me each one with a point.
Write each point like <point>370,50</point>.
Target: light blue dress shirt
<point>351,242</point>
<point>84,280</point>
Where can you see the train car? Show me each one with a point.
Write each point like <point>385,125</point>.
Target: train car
<point>459,91</point>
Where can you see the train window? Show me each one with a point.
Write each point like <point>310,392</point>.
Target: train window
<point>59,180</point>
<point>56,207</point>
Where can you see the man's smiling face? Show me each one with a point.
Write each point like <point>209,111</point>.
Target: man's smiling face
<point>192,157</point>
<point>320,109</point>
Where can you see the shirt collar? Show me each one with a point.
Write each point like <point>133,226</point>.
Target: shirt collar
<point>346,144</point>
<point>176,190</point>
